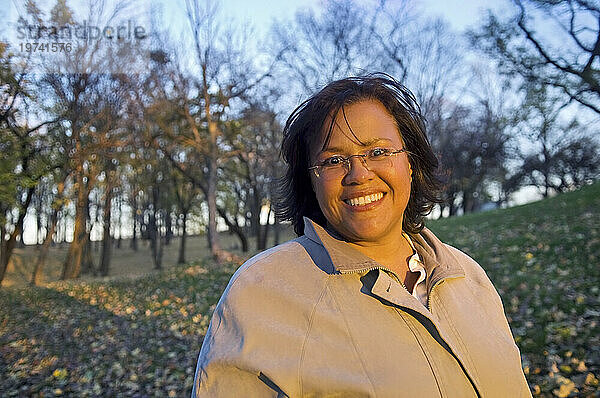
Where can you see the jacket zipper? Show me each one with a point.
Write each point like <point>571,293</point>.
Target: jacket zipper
<point>431,292</point>
<point>376,267</point>
<point>448,347</point>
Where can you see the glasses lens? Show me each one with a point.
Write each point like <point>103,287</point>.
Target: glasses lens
<point>378,162</point>
<point>331,172</point>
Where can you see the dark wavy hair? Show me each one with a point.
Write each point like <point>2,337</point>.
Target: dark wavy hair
<point>296,197</point>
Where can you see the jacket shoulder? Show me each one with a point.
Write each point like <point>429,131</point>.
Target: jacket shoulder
<point>283,274</point>
<point>473,270</point>
<point>284,262</point>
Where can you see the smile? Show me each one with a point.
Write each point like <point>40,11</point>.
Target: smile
<point>364,200</point>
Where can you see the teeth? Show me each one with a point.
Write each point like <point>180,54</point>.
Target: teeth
<point>364,200</point>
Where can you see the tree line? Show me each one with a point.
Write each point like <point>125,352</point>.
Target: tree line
<point>184,133</point>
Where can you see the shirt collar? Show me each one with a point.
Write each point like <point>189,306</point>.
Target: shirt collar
<point>439,262</point>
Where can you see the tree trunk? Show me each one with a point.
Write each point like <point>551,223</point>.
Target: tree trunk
<point>38,222</point>
<point>453,209</point>
<point>211,196</point>
<point>9,245</point>
<point>168,228</point>
<point>213,238</point>
<point>2,233</point>
<point>72,264</point>
<point>181,259</point>
<point>264,233</point>
<point>236,229</point>
<point>136,219</point>
<point>276,231</point>
<point>21,239</point>
<point>255,215</point>
<point>87,262</point>
<point>43,254</point>
<point>120,220</point>
<point>106,238</point>
<point>154,230</point>
<point>467,202</point>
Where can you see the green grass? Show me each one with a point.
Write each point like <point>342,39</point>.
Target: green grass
<point>140,337</point>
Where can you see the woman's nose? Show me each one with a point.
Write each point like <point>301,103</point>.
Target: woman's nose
<point>358,171</point>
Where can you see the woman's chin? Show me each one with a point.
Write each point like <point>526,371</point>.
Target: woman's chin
<point>367,231</point>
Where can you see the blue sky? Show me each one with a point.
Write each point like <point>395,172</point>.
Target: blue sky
<point>459,13</point>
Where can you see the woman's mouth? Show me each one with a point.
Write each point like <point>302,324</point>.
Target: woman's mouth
<point>364,200</point>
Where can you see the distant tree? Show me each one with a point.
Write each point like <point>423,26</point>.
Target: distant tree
<point>59,178</point>
<point>578,163</point>
<point>226,73</point>
<point>423,53</point>
<point>473,143</point>
<point>559,157</point>
<point>27,156</point>
<point>79,85</point>
<point>247,186</point>
<point>566,58</point>
<point>187,196</point>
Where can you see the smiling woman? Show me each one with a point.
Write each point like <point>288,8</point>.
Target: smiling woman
<point>364,200</point>
<point>366,301</point>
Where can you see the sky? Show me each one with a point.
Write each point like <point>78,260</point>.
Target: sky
<point>459,13</point>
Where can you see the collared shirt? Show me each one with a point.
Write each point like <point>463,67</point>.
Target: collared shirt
<point>419,290</point>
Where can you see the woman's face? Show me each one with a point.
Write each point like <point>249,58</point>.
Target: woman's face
<point>363,204</point>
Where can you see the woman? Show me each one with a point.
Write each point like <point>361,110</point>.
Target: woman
<point>366,301</point>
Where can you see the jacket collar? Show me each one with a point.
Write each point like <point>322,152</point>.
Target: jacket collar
<point>438,260</point>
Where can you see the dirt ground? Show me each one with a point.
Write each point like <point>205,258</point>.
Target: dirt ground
<point>125,262</point>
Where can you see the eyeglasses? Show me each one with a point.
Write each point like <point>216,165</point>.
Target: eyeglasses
<point>337,166</point>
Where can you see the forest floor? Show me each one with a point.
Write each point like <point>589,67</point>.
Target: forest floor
<point>141,336</point>
<point>125,262</point>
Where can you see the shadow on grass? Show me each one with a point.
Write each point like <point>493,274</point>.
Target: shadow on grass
<point>54,344</point>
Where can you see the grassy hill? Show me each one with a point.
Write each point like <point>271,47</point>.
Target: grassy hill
<point>141,337</point>
<point>544,259</point>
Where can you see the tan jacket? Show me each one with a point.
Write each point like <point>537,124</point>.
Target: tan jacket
<point>314,317</point>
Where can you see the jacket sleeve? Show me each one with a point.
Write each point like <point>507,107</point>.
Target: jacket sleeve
<point>252,346</point>
<point>226,366</point>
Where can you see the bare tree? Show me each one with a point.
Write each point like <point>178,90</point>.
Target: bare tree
<point>423,53</point>
<point>226,73</point>
<point>567,59</point>
<point>57,204</point>
<point>317,48</point>
<point>77,83</point>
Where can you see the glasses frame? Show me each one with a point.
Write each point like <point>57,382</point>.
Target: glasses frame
<point>345,161</point>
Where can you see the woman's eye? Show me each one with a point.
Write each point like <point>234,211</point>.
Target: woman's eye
<point>378,152</point>
<point>333,161</point>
